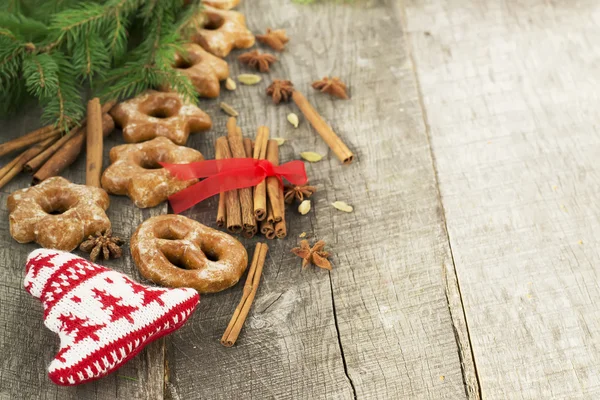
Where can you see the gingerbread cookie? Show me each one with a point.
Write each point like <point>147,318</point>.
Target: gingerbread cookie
<point>204,70</point>
<point>222,31</point>
<point>135,171</point>
<point>222,4</point>
<point>57,214</point>
<point>176,251</point>
<point>153,114</point>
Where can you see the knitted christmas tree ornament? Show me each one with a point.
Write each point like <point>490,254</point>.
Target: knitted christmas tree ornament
<point>102,317</point>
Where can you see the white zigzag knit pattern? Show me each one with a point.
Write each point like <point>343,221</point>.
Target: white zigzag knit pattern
<point>102,317</point>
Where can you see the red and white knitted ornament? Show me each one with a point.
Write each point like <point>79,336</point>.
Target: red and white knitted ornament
<point>102,317</point>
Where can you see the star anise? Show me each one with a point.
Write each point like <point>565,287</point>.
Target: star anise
<point>105,243</point>
<point>274,38</point>
<point>258,60</point>
<point>298,192</point>
<point>333,86</point>
<point>314,255</point>
<point>280,90</point>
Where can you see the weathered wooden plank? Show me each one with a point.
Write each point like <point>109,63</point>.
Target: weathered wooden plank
<point>27,347</point>
<point>510,90</point>
<point>379,325</point>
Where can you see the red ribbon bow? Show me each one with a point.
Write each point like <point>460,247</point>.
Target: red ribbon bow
<point>229,174</point>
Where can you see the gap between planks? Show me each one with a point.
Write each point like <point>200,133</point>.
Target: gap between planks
<point>451,283</point>
<point>339,337</point>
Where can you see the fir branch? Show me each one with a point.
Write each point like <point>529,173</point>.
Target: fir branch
<point>91,57</point>
<point>151,62</point>
<point>12,97</point>
<point>73,24</point>
<point>51,49</point>
<point>65,107</point>
<point>26,29</point>
<point>117,40</point>
<point>40,72</point>
<point>11,6</point>
<point>12,50</point>
<point>44,10</point>
<point>189,20</point>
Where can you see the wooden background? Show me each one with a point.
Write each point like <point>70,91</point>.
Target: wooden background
<point>469,268</point>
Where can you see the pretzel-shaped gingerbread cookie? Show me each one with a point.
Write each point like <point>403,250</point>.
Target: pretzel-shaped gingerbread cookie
<point>153,114</point>
<point>223,31</point>
<point>204,70</point>
<point>57,214</point>
<point>176,251</point>
<point>135,171</point>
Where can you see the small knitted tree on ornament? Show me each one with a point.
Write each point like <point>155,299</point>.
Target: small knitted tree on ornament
<point>102,317</point>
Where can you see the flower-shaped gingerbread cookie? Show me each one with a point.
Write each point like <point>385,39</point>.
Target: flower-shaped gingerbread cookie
<point>57,214</point>
<point>135,171</point>
<point>222,31</point>
<point>153,114</point>
<point>204,70</point>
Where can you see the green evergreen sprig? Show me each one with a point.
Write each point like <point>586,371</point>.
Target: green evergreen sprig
<point>53,50</point>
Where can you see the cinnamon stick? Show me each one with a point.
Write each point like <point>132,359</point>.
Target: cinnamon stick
<point>34,137</point>
<point>266,228</point>
<point>68,153</point>
<point>266,225</point>
<point>236,144</point>
<point>260,191</point>
<point>232,200</point>
<point>221,211</point>
<point>18,164</point>
<point>273,184</point>
<point>281,227</point>
<point>41,158</point>
<point>4,170</point>
<point>334,142</point>
<point>248,233</point>
<point>248,147</point>
<point>249,293</point>
<point>94,143</point>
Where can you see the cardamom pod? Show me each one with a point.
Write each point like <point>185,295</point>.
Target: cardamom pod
<point>311,156</point>
<point>249,79</point>
<point>230,84</point>
<point>228,109</point>
<point>279,140</point>
<point>304,207</point>
<point>342,206</point>
<point>293,119</point>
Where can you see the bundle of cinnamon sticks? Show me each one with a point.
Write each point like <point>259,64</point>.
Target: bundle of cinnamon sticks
<point>48,151</point>
<point>247,210</point>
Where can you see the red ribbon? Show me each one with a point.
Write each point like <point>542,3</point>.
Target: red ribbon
<point>229,174</point>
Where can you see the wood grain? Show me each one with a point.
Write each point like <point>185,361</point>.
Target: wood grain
<point>511,92</point>
<point>378,326</point>
<point>26,345</point>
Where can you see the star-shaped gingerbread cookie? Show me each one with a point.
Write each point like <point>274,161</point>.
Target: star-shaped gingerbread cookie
<point>135,171</point>
<point>222,31</point>
<point>204,69</point>
<point>153,114</point>
<point>222,4</point>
